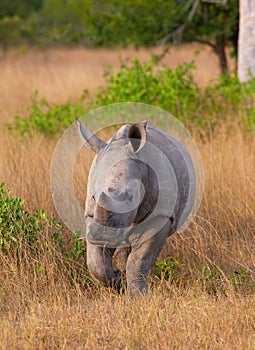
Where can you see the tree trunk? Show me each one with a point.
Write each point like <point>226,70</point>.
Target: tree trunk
<point>246,41</point>
<point>220,50</point>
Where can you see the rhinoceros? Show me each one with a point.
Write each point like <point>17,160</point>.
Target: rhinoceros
<point>141,189</point>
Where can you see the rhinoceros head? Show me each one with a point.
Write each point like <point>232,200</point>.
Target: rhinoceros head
<point>116,184</point>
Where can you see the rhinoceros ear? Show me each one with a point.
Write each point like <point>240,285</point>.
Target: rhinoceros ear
<point>137,136</point>
<point>91,141</point>
<point>122,133</point>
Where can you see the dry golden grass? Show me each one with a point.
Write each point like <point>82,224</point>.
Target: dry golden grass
<point>50,310</point>
<point>190,320</point>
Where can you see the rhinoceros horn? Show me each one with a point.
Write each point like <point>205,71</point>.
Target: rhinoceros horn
<point>91,141</point>
<point>137,135</point>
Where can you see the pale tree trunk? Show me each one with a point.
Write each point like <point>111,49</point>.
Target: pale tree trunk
<point>246,41</point>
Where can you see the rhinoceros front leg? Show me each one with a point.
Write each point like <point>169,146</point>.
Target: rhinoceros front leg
<point>99,261</point>
<point>140,261</point>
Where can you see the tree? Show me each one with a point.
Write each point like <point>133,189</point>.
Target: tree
<point>8,31</point>
<point>21,8</point>
<point>246,44</point>
<point>149,23</point>
<point>125,22</point>
<point>213,23</point>
<point>11,13</point>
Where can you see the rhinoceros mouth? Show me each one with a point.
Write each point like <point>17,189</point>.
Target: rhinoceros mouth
<point>111,239</point>
<point>111,243</point>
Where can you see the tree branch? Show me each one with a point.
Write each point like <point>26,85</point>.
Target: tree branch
<point>179,31</point>
<point>201,41</point>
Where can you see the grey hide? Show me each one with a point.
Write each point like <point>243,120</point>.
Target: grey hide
<point>123,212</point>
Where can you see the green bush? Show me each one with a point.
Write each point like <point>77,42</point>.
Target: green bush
<point>166,269</point>
<point>176,91</point>
<point>36,242</point>
<point>48,119</point>
<point>227,97</point>
<point>19,226</point>
<point>173,90</point>
<point>215,281</point>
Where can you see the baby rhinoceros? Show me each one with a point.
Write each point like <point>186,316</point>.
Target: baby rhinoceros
<point>141,189</point>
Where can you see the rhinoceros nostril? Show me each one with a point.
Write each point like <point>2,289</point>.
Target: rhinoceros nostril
<point>90,216</point>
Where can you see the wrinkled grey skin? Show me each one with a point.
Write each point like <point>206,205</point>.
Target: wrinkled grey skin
<point>140,256</point>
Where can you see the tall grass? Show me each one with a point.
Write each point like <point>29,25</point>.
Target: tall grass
<point>48,301</point>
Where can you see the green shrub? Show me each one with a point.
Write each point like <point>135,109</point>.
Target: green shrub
<point>36,242</point>
<point>227,97</point>
<point>173,90</point>
<point>166,269</point>
<point>239,278</point>
<point>19,226</point>
<point>176,91</point>
<point>48,119</point>
<point>215,281</point>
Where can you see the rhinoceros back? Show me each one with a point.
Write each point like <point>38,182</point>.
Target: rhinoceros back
<point>184,170</point>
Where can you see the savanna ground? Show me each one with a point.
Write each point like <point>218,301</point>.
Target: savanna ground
<point>208,300</point>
